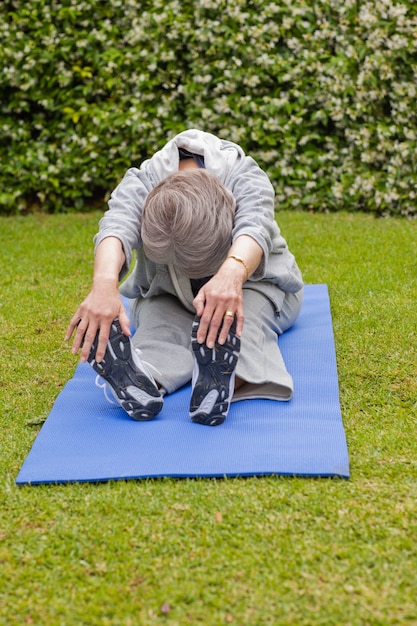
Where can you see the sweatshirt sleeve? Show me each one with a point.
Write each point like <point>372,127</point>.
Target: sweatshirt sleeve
<point>124,215</point>
<point>255,215</point>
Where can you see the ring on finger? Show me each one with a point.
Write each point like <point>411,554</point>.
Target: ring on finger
<point>229,314</point>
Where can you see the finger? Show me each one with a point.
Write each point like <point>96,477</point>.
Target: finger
<point>228,320</point>
<point>240,320</point>
<point>89,334</point>
<point>203,327</point>
<point>103,339</point>
<point>213,329</point>
<point>72,325</point>
<point>124,322</point>
<point>80,330</point>
<point>198,303</point>
<point>204,312</point>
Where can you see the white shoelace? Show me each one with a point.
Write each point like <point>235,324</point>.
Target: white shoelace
<point>101,384</point>
<point>108,393</point>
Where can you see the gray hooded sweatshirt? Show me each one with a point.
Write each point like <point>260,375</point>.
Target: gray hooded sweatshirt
<point>254,216</point>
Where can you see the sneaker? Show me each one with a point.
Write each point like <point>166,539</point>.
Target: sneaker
<point>129,380</point>
<point>213,377</point>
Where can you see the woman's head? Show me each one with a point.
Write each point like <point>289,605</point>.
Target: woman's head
<point>187,221</point>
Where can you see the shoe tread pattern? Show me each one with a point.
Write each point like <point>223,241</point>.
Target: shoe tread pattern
<point>216,366</point>
<point>120,372</point>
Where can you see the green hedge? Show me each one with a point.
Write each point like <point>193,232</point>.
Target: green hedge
<point>321,92</point>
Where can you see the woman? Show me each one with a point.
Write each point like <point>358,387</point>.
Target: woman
<point>213,285</point>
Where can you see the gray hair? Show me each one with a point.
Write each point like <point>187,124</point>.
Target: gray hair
<point>187,221</point>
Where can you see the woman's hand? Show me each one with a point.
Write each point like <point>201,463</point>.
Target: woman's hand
<point>97,312</point>
<point>102,305</point>
<point>222,295</point>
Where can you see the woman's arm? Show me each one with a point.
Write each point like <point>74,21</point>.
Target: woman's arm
<point>103,304</point>
<point>223,292</point>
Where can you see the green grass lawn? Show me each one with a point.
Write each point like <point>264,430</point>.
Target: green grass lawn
<point>276,551</point>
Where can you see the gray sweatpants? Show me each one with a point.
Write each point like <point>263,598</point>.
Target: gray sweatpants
<point>163,336</point>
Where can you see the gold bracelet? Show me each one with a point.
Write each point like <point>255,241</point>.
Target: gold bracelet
<point>240,260</point>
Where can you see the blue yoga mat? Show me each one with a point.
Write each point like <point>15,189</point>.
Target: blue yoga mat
<point>87,439</point>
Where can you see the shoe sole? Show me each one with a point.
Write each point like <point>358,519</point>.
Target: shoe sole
<point>213,379</point>
<point>136,393</point>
